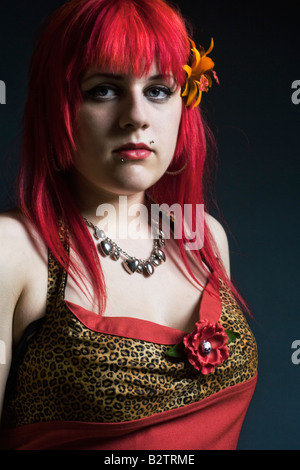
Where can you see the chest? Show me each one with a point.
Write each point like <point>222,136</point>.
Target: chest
<point>169,296</point>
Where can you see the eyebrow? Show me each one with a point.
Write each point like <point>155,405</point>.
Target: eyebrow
<point>120,77</point>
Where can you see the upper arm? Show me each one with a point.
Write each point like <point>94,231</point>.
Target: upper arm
<point>6,320</point>
<point>11,285</point>
<point>220,240</point>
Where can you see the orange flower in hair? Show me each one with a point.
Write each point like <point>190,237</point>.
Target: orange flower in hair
<point>199,74</point>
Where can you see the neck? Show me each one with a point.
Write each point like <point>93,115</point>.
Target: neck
<point>119,215</point>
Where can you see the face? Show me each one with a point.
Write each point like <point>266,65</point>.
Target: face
<point>127,130</point>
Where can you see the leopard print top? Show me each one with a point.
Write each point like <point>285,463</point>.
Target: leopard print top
<point>70,372</point>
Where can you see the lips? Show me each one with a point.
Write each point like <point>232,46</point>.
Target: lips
<point>132,151</point>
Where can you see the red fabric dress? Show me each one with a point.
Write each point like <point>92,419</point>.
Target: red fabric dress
<point>88,382</point>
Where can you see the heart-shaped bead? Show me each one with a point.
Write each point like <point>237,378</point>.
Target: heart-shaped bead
<point>105,248</point>
<point>131,265</point>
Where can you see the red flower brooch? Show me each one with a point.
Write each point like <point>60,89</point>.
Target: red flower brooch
<point>206,347</point>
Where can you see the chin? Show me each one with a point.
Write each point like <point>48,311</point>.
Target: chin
<point>138,180</point>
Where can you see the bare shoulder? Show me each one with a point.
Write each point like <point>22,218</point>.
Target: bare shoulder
<point>16,229</point>
<point>220,239</point>
<point>13,241</point>
<point>12,225</point>
<point>20,247</point>
<point>23,269</point>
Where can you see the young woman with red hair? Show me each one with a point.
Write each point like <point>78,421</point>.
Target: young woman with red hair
<point>132,338</point>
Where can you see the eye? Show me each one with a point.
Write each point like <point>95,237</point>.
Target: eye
<point>158,93</point>
<point>102,92</point>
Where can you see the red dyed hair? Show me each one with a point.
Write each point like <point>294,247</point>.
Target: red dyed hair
<point>124,36</point>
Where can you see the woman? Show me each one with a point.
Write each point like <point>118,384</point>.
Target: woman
<point>105,357</point>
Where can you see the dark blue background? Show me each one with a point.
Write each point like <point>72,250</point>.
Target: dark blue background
<point>257,50</point>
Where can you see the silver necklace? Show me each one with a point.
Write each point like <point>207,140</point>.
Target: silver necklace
<point>107,247</point>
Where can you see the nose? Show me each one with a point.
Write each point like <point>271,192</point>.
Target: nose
<point>133,114</point>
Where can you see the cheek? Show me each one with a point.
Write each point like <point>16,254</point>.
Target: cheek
<point>175,113</point>
<point>177,116</point>
<point>91,127</point>
<point>172,124</point>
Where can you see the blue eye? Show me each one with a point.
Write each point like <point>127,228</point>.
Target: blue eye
<point>102,92</point>
<point>159,93</point>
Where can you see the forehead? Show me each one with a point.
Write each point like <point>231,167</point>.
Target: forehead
<point>154,73</point>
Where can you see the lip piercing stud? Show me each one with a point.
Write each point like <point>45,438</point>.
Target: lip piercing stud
<point>152,142</point>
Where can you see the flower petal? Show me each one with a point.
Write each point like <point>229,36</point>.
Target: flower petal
<point>205,65</point>
<point>216,77</point>
<point>188,70</point>
<point>193,360</point>
<point>198,99</point>
<point>219,340</point>
<point>204,83</point>
<point>196,58</point>
<point>207,369</point>
<point>193,45</point>
<point>209,81</point>
<point>192,94</point>
<point>186,89</point>
<point>210,47</point>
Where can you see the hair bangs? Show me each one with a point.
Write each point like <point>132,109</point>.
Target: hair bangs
<point>128,39</point>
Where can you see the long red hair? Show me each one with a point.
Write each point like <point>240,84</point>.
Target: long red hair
<point>124,36</point>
